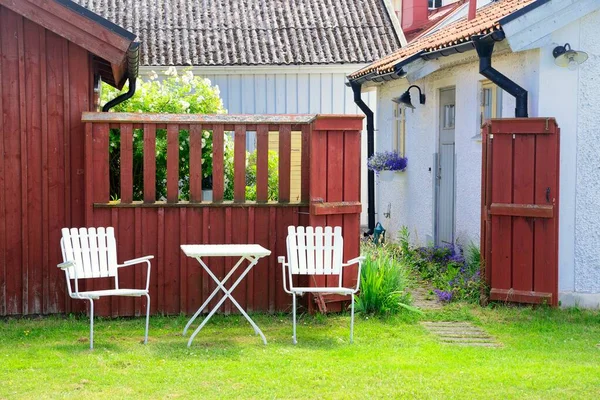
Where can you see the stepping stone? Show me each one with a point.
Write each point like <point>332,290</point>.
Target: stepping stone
<point>460,334</point>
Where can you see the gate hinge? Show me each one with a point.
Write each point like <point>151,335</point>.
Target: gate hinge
<point>547,124</point>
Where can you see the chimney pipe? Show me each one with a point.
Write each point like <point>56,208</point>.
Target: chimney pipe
<point>472,9</point>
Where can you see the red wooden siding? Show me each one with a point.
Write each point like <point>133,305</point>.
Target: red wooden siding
<point>44,88</point>
<point>519,237</point>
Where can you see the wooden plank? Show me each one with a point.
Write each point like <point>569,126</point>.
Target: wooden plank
<point>285,147</point>
<point>528,126</point>
<point>160,261</point>
<point>351,222</point>
<point>172,263</point>
<point>262,270</point>
<point>12,161</point>
<point>205,119</point>
<point>126,251</point>
<point>249,295</point>
<point>239,164</point>
<point>226,307</point>
<point>546,192</point>
<point>173,163</point>
<point>149,163</point>
<point>338,123</point>
<point>193,279</point>
<point>272,266</point>
<point>486,201</point>
<point>239,235</point>
<point>218,170</point>
<point>183,261</point>
<point>522,210</point>
<point>262,163</point>
<point>335,182</point>
<point>196,163</point>
<point>522,234</point>
<point>34,199</point>
<point>151,246</point>
<point>126,163</point>
<point>305,163</point>
<point>216,236</point>
<point>335,208</point>
<point>74,27</point>
<point>205,239</point>
<point>45,182</point>
<point>140,270</point>
<point>502,170</point>
<point>521,296</point>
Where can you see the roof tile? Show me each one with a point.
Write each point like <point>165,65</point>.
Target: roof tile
<point>253,32</point>
<point>487,20</point>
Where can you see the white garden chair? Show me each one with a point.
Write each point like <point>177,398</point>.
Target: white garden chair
<point>92,253</point>
<point>317,251</point>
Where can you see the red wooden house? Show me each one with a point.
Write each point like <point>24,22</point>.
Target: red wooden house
<point>51,54</point>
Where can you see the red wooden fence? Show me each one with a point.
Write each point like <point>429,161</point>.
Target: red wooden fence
<point>330,169</point>
<point>520,191</point>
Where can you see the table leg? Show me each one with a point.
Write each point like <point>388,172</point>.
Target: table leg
<point>228,292</point>
<point>214,291</point>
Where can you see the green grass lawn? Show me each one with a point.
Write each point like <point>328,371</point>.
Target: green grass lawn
<point>546,354</point>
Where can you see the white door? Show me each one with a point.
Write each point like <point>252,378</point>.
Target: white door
<point>444,221</point>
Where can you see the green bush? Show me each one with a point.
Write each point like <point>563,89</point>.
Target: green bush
<point>185,94</point>
<point>383,283</point>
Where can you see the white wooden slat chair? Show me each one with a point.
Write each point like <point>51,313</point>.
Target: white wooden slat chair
<point>317,251</point>
<point>90,253</point>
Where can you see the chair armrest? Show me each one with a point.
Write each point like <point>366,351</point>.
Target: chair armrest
<point>354,261</point>
<point>66,264</point>
<point>135,261</point>
<point>145,259</point>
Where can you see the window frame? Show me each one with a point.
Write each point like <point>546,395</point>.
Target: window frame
<point>399,139</point>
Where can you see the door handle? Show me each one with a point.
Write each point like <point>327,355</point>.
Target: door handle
<point>547,195</point>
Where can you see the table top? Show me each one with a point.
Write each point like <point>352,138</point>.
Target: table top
<point>224,250</point>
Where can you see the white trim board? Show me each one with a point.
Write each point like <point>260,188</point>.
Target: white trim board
<point>527,30</point>
<point>259,69</point>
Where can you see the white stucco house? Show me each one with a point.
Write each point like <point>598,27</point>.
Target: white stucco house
<point>438,197</point>
<point>266,56</point>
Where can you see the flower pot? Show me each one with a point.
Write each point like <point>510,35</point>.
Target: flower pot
<point>389,176</point>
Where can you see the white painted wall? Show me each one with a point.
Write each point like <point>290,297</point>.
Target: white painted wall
<point>572,97</point>
<point>289,90</point>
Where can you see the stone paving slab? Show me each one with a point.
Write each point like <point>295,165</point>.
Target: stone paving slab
<point>461,334</point>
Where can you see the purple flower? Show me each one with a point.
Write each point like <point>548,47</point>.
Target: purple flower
<point>387,161</point>
<point>443,296</point>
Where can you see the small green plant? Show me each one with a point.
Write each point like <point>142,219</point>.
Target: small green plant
<point>383,284</point>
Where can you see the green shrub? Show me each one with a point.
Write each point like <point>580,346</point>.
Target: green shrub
<point>185,94</point>
<point>383,283</point>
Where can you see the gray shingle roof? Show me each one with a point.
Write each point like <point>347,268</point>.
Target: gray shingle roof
<point>254,32</point>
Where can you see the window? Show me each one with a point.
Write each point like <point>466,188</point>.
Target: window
<point>449,116</point>
<point>434,3</point>
<point>491,102</point>
<point>400,129</point>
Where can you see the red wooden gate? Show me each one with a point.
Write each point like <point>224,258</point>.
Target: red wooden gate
<point>519,198</point>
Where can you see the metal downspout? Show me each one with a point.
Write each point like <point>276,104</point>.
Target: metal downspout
<point>370,150</point>
<point>484,47</point>
<point>133,58</point>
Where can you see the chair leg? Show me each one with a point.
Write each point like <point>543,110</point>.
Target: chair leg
<point>294,318</point>
<point>147,317</point>
<point>91,324</point>
<point>352,321</point>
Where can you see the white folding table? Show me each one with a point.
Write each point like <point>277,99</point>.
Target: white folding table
<point>250,252</point>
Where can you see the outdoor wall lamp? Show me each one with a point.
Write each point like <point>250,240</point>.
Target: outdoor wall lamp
<point>404,99</point>
<point>564,56</point>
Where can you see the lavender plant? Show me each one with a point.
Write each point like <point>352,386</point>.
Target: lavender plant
<point>387,161</point>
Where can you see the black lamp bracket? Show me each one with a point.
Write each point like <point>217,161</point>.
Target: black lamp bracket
<point>421,94</point>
